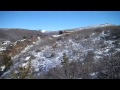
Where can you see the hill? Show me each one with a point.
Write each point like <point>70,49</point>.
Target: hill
<point>89,53</point>
<point>18,34</point>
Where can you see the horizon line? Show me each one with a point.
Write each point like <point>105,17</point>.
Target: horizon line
<point>62,29</point>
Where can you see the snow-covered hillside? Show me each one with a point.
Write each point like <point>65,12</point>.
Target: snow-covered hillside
<point>78,46</point>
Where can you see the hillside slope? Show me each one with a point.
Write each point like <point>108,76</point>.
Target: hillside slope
<point>18,34</point>
<point>85,54</point>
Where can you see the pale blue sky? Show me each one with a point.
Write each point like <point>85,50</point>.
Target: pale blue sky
<point>56,20</point>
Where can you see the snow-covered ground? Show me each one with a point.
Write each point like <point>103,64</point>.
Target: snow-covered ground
<point>5,42</point>
<point>56,35</point>
<point>48,57</point>
<point>75,51</point>
<point>2,49</point>
<point>2,68</point>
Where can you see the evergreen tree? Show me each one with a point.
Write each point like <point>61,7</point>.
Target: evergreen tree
<point>24,37</point>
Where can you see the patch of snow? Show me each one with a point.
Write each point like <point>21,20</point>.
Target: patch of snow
<point>38,38</point>
<point>97,57</point>
<point>16,72</point>
<point>2,68</point>
<point>37,69</point>
<point>6,42</point>
<point>24,65</point>
<point>27,48</point>
<point>109,42</point>
<point>103,33</point>
<point>22,40</point>
<point>27,58</point>
<point>118,49</point>
<point>56,35</point>
<point>93,74</point>
<point>15,43</point>
<point>79,78</point>
<point>99,52</point>
<point>2,49</point>
<point>106,50</point>
<point>92,35</point>
<point>70,41</point>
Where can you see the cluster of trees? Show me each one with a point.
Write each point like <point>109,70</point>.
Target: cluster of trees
<point>60,32</point>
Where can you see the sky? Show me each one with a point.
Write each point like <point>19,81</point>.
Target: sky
<point>56,20</point>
